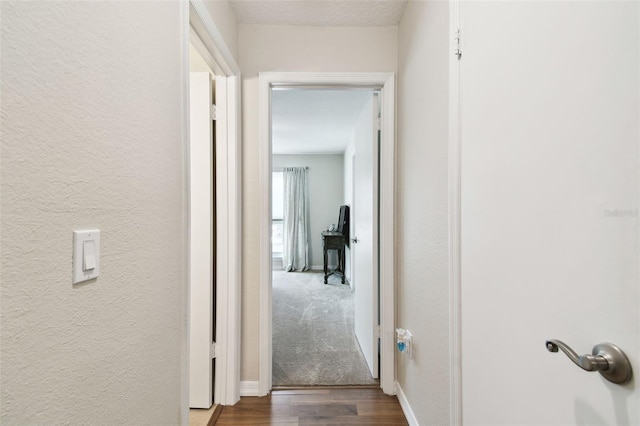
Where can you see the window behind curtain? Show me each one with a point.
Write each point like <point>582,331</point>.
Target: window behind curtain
<point>277,213</point>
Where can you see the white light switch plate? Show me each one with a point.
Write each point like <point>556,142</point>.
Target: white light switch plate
<point>86,254</point>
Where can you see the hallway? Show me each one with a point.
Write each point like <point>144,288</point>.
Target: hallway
<point>510,214</point>
<point>327,406</point>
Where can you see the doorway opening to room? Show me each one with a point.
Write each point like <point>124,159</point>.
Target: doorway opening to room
<point>375,339</point>
<point>212,206</point>
<point>323,317</point>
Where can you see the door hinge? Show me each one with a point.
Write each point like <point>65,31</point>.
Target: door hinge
<point>376,331</point>
<point>457,45</point>
<point>379,123</point>
<point>214,350</point>
<point>214,113</point>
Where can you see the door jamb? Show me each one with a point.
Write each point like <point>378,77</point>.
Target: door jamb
<point>228,187</point>
<point>455,331</point>
<point>386,83</point>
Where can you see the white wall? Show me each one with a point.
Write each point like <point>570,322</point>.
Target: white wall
<point>422,170</point>
<point>325,176</point>
<point>92,136</point>
<point>279,48</point>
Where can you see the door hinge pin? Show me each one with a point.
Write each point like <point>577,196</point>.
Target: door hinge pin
<point>214,350</point>
<point>458,47</point>
<point>214,112</point>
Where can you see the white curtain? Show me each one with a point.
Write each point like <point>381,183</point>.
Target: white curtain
<point>295,255</point>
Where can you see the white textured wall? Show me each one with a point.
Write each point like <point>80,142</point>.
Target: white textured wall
<point>325,176</point>
<point>280,48</point>
<point>92,136</point>
<point>422,262</point>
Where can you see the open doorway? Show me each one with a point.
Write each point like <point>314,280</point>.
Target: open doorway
<point>202,239</point>
<point>212,209</point>
<point>374,89</point>
<point>323,320</point>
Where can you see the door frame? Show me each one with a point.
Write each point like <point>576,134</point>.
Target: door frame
<point>385,82</point>
<point>199,28</point>
<point>455,227</point>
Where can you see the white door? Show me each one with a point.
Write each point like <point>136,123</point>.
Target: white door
<point>201,259</point>
<point>549,110</point>
<point>365,237</point>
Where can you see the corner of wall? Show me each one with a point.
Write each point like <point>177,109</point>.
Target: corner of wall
<point>406,407</point>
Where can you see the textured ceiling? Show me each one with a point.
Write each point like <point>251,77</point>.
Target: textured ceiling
<point>307,121</point>
<point>354,13</point>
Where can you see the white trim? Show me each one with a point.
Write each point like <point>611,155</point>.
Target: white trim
<point>266,171</point>
<point>222,238</point>
<point>202,24</point>
<point>234,246</point>
<point>186,292</point>
<point>229,206</point>
<point>376,245</point>
<point>249,388</point>
<point>406,408</point>
<point>455,332</point>
<point>202,50</point>
<point>385,81</point>
<point>387,256</point>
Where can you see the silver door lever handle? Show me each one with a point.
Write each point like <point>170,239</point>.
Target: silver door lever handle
<point>606,358</point>
<point>586,362</point>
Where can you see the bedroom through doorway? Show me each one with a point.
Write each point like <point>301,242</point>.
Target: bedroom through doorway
<point>319,137</point>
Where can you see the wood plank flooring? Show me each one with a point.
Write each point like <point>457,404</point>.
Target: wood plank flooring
<point>316,406</point>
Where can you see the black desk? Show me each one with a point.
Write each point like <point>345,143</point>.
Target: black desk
<point>332,240</point>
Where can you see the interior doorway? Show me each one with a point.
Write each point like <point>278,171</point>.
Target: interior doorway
<point>202,238</point>
<point>384,83</point>
<point>324,321</point>
<point>220,217</point>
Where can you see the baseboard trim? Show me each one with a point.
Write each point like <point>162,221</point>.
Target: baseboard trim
<point>404,404</point>
<point>249,388</point>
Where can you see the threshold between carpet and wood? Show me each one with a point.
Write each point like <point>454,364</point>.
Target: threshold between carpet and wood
<point>204,417</point>
<point>313,332</point>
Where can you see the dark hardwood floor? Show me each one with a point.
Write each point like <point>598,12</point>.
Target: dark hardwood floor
<point>316,406</point>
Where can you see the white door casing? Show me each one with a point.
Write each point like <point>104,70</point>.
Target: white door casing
<point>365,237</point>
<point>386,83</point>
<point>549,133</point>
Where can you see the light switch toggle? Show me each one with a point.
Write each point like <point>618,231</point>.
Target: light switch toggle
<point>86,255</point>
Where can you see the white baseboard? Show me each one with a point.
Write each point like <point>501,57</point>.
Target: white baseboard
<point>404,403</point>
<point>248,388</point>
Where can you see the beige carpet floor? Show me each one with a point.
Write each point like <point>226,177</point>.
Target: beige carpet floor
<point>313,338</point>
